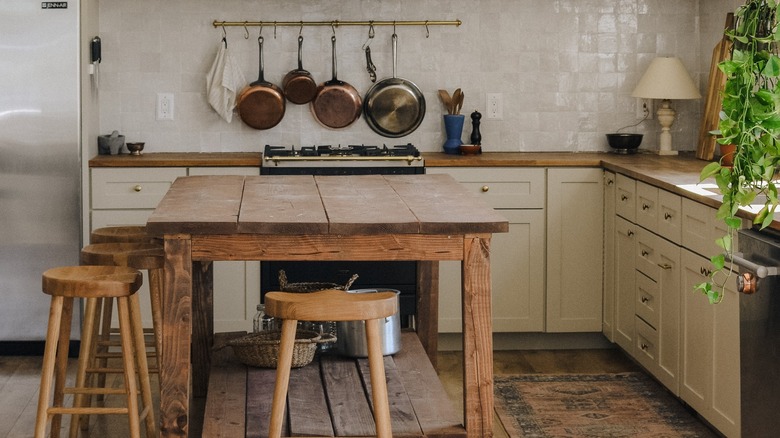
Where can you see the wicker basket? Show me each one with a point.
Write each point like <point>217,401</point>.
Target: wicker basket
<point>284,286</point>
<point>262,349</point>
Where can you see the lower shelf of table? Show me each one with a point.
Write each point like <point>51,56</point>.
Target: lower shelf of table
<point>329,397</point>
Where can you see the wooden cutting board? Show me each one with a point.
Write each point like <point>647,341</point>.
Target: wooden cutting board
<point>705,149</point>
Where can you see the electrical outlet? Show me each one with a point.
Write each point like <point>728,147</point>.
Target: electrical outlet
<point>164,106</point>
<point>644,107</point>
<point>495,106</point>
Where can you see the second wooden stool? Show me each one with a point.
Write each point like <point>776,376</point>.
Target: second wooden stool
<point>92,282</point>
<point>332,305</point>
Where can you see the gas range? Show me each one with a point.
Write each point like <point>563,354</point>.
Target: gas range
<point>342,156</point>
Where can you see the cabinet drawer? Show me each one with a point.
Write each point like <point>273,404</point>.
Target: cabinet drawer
<point>132,187</point>
<point>646,346</point>
<point>625,197</point>
<point>670,216</point>
<point>502,187</point>
<point>646,205</point>
<point>647,302</point>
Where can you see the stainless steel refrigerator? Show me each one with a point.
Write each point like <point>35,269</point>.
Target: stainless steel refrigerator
<point>40,199</point>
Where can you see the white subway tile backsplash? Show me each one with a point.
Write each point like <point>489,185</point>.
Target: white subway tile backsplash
<point>566,68</point>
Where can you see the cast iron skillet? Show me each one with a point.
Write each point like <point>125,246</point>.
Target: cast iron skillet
<point>336,104</point>
<point>261,104</point>
<point>394,107</point>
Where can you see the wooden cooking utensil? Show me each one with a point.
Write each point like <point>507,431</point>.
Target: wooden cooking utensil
<point>446,100</point>
<point>705,149</point>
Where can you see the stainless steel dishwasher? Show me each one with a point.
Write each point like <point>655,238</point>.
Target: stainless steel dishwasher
<point>759,307</point>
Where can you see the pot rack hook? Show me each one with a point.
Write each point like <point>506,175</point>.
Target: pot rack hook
<point>393,26</point>
<point>427,31</point>
<point>246,32</point>
<point>274,29</point>
<point>371,35</point>
<point>300,31</point>
<point>224,36</point>
<point>333,27</point>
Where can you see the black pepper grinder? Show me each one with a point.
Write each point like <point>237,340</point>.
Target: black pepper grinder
<point>476,137</point>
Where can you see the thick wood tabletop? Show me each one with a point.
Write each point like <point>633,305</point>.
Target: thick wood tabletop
<point>348,205</point>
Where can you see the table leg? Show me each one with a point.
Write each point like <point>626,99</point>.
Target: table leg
<point>176,337</point>
<point>477,337</point>
<point>428,308</point>
<point>202,325</point>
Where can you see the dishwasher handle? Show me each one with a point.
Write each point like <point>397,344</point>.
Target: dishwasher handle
<point>760,270</point>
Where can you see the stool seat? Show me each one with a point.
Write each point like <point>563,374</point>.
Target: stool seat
<point>120,234</point>
<point>91,281</point>
<point>332,305</point>
<point>136,255</point>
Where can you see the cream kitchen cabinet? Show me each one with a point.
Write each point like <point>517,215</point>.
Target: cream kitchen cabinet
<point>575,240</point>
<point>517,257</point>
<point>710,375</point>
<point>625,283</point>
<point>608,301</point>
<point>127,196</point>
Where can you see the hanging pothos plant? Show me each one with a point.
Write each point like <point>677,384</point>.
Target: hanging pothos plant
<point>749,119</point>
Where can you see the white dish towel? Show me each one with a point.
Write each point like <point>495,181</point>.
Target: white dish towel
<point>223,83</point>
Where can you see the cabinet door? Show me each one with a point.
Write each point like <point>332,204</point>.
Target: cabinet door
<point>710,349</point>
<point>575,244</point>
<point>646,205</point>
<point>608,314</point>
<point>625,283</point>
<point>517,271</point>
<point>625,197</point>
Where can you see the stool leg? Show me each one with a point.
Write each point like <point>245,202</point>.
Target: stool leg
<point>282,377</point>
<point>47,372</point>
<point>103,338</point>
<point>61,363</point>
<point>126,335</point>
<point>376,366</point>
<point>143,366</point>
<point>85,359</point>
<point>156,282</point>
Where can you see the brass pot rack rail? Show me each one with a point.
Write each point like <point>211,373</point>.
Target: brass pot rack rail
<point>337,23</point>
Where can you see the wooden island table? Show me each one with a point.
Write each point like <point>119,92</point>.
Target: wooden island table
<point>424,218</point>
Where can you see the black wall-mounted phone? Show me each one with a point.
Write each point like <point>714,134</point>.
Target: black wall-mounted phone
<point>95,50</point>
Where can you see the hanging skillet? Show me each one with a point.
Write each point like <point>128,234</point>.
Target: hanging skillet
<point>298,85</point>
<point>336,104</point>
<point>394,107</point>
<point>261,104</point>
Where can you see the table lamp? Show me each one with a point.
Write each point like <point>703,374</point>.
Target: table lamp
<point>666,78</point>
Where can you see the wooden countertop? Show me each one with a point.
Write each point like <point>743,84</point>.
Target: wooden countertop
<point>676,174</point>
<point>179,159</point>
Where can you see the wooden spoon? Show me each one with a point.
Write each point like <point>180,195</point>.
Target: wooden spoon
<point>457,101</point>
<point>446,100</point>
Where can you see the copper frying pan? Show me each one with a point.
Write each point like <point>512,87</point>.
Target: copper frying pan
<point>298,85</point>
<point>261,104</point>
<point>336,104</point>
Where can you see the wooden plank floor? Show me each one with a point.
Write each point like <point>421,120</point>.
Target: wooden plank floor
<point>20,377</point>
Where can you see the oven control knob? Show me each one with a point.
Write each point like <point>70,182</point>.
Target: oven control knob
<point>746,283</point>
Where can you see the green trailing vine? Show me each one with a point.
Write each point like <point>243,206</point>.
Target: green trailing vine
<point>749,119</point>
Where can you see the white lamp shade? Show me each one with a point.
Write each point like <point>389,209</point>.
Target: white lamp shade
<point>666,78</point>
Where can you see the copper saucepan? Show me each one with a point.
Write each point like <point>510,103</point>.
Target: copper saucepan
<point>336,104</point>
<point>394,107</point>
<point>298,85</point>
<point>261,104</point>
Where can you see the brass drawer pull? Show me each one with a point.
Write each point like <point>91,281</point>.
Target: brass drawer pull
<point>138,188</point>
<point>665,266</point>
<point>667,216</point>
<point>645,207</point>
<point>485,188</point>
<point>630,233</point>
<point>645,253</point>
<point>645,300</point>
<point>644,346</point>
<point>624,198</point>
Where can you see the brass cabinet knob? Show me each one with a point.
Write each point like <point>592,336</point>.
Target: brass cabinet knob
<point>485,188</point>
<point>138,188</point>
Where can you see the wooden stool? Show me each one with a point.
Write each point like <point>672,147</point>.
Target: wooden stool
<point>123,234</point>
<point>332,305</point>
<point>141,256</point>
<point>92,282</point>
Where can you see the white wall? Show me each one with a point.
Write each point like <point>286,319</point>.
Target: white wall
<point>566,68</point>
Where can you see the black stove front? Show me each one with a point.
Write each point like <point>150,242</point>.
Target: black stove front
<point>349,160</point>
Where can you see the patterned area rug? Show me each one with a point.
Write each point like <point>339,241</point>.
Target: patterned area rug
<point>592,405</point>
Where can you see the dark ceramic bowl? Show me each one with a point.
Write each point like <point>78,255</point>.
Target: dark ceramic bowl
<point>624,143</point>
<point>135,148</point>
